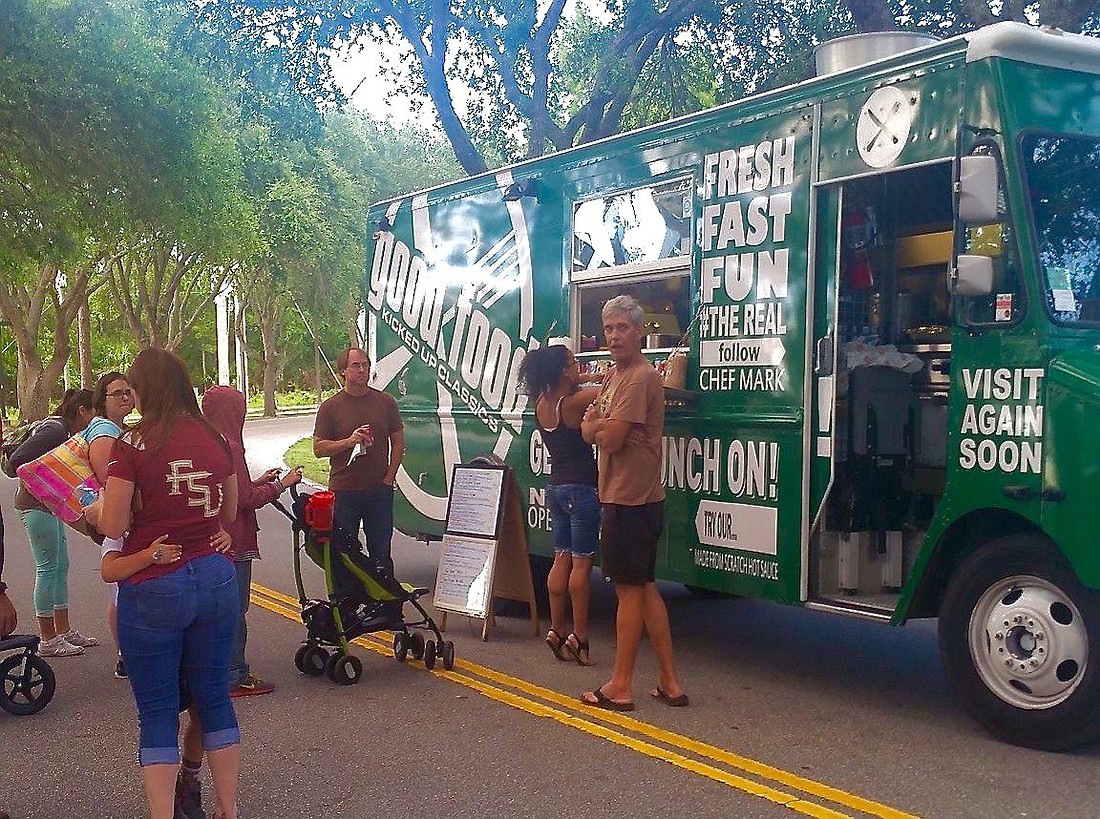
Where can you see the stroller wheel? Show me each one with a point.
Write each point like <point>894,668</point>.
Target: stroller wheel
<point>311,660</point>
<point>345,669</point>
<point>26,684</point>
<point>429,654</point>
<point>400,646</point>
<point>416,645</point>
<point>448,655</point>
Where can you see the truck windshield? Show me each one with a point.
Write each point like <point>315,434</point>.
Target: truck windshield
<point>1063,175</point>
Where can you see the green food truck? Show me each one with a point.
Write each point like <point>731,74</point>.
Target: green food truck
<point>875,296</point>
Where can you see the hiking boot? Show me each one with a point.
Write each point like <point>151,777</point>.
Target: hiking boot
<point>120,669</point>
<point>77,639</point>
<point>188,803</point>
<point>251,685</point>
<point>58,647</point>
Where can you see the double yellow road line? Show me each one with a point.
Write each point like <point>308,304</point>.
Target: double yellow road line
<point>797,793</point>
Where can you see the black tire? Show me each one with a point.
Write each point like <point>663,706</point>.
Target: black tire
<point>448,655</point>
<point>1036,682</point>
<point>400,646</point>
<point>416,645</point>
<point>346,669</point>
<point>300,658</point>
<point>314,660</point>
<point>429,654</point>
<point>27,684</point>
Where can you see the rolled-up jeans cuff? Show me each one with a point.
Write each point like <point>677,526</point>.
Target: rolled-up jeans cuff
<point>216,740</point>
<point>159,756</point>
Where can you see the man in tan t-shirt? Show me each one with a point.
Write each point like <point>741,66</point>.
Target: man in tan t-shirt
<point>626,422</point>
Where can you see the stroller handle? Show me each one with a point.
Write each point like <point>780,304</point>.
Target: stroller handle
<point>294,495</point>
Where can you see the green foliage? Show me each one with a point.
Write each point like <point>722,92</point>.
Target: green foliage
<point>291,398</point>
<point>140,129</point>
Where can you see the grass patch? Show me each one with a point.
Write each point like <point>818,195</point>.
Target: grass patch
<point>301,454</point>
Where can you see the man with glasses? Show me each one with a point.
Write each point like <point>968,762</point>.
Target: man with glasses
<point>360,431</point>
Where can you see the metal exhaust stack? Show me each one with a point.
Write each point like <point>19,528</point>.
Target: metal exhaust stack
<point>854,50</point>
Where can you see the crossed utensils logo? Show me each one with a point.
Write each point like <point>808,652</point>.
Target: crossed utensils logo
<point>883,127</point>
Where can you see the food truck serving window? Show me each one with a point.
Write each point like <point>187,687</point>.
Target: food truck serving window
<point>637,226</point>
<point>665,299</point>
<point>1063,175</point>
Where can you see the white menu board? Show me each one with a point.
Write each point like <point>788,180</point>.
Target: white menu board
<point>474,504</point>
<point>464,579</point>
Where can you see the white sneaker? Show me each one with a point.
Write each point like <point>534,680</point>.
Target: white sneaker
<point>58,647</point>
<point>78,639</point>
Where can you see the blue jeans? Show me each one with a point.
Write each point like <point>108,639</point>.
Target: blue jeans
<point>238,665</point>
<point>574,518</point>
<point>185,621</point>
<point>373,510</point>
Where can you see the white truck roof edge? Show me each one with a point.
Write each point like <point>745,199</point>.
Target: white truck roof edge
<point>1047,46</point>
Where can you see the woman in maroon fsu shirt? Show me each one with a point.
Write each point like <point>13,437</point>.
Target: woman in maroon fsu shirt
<point>176,612</point>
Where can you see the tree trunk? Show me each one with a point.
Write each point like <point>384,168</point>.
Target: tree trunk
<point>161,290</point>
<point>84,345</point>
<point>28,306</point>
<point>271,379</point>
<point>270,314</point>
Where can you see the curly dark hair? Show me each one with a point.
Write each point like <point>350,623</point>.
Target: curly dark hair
<point>541,368</point>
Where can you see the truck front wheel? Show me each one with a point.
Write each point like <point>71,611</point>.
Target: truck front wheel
<point>1020,639</point>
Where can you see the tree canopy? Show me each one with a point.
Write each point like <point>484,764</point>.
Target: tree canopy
<point>149,159</point>
<point>517,78</point>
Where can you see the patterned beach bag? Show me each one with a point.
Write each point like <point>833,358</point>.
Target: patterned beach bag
<point>62,479</point>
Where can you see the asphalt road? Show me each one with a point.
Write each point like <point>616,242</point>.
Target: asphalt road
<point>793,713</point>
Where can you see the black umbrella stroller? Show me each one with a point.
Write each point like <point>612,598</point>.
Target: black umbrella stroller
<point>363,597</point>
<point>26,680</point>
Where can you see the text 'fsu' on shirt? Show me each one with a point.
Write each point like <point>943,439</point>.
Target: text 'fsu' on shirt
<point>181,487</point>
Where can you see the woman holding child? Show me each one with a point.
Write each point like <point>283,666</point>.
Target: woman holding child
<point>177,607</point>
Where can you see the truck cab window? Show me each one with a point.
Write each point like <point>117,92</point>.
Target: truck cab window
<point>1063,176</point>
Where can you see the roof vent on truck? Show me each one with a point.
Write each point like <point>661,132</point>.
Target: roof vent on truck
<point>843,53</point>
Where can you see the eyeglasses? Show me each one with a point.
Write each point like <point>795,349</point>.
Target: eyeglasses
<point>121,394</point>
<point>358,365</point>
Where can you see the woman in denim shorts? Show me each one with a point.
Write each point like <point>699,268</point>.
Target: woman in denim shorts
<point>553,379</point>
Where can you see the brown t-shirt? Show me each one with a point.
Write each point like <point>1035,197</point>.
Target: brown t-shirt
<point>339,416</point>
<point>632,476</point>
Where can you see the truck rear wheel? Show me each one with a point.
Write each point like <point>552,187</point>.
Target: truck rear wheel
<point>1020,639</point>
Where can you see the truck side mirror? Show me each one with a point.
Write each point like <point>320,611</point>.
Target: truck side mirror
<point>973,275</point>
<point>978,189</point>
